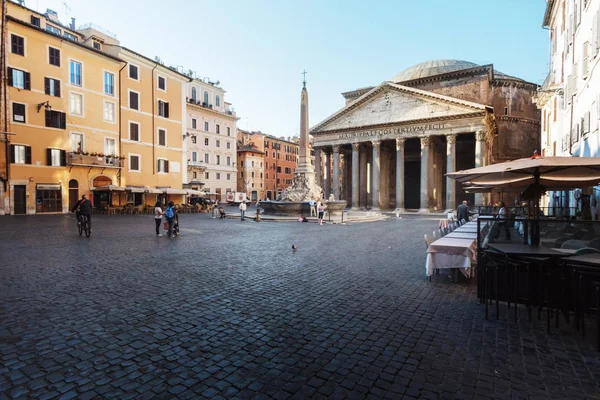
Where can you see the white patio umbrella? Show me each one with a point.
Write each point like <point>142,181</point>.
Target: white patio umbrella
<point>534,175</point>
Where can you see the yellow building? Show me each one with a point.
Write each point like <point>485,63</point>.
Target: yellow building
<point>58,103</point>
<point>152,128</point>
<point>88,117</point>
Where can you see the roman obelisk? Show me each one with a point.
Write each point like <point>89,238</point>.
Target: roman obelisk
<point>304,167</point>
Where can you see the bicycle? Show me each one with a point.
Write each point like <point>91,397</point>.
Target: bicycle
<point>84,225</point>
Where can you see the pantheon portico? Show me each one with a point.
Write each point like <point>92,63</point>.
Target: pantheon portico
<point>391,146</point>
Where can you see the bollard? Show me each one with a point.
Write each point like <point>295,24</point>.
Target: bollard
<point>257,214</point>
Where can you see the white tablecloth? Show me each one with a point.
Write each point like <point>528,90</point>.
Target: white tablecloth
<point>448,253</point>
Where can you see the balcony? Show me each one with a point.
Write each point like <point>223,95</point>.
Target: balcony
<point>197,164</point>
<point>88,160</point>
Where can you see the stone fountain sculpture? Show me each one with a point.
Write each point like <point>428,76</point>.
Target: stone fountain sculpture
<point>295,199</point>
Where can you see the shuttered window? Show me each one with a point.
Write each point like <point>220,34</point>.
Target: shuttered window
<point>163,166</point>
<point>56,157</point>
<point>134,100</point>
<point>134,131</point>
<point>19,79</point>
<point>56,119</point>
<point>20,154</point>
<point>162,137</point>
<point>52,87</point>
<point>18,111</point>
<point>17,45</point>
<point>54,56</point>
<point>163,109</point>
<point>134,163</point>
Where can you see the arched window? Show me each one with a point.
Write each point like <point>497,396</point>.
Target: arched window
<point>206,97</point>
<point>218,101</point>
<point>194,94</point>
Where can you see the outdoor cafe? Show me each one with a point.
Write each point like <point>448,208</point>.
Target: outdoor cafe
<point>526,263</point>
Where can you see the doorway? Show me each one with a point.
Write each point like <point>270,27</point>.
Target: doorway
<point>20,200</point>
<point>73,193</point>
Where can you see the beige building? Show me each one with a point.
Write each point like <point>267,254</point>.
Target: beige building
<point>250,162</point>
<point>210,139</point>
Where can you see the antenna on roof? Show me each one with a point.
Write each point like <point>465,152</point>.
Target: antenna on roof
<point>67,9</point>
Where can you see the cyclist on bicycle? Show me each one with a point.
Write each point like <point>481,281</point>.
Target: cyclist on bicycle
<point>83,207</point>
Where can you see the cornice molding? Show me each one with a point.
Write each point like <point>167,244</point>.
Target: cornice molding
<point>453,74</point>
<point>210,110</point>
<point>503,82</point>
<point>482,113</point>
<point>517,119</point>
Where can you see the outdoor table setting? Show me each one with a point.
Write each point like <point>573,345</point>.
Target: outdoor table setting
<point>462,235</point>
<point>450,253</point>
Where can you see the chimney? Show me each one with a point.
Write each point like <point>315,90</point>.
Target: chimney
<point>72,25</point>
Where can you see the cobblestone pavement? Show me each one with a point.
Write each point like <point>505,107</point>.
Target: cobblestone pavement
<point>228,310</point>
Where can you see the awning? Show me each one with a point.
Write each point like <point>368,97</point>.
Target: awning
<point>134,189</point>
<point>155,191</point>
<point>108,188</point>
<point>195,192</point>
<point>175,191</point>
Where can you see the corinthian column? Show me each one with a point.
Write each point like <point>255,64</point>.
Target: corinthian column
<point>376,167</point>
<point>425,167</point>
<point>480,160</point>
<point>318,169</point>
<point>450,167</point>
<point>355,163</point>
<point>335,180</point>
<point>400,174</point>
<point>327,174</point>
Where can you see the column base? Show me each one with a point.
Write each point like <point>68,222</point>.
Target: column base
<point>423,211</point>
<point>400,210</point>
<point>375,209</point>
<point>354,208</point>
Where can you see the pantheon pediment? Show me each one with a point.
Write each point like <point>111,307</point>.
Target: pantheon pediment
<point>391,103</point>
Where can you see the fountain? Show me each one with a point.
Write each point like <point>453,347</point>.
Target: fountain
<point>295,199</point>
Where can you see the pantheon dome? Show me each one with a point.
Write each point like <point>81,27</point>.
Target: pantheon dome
<point>437,67</point>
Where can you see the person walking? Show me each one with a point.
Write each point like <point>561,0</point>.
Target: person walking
<point>158,213</point>
<point>170,216</point>
<point>320,211</point>
<point>243,210</point>
<point>503,217</point>
<point>313,208</point>
<point>462,212</point>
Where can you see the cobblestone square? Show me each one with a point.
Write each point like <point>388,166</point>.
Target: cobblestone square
<point>228,310</point>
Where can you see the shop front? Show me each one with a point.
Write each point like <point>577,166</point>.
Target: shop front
<point>48,198</point>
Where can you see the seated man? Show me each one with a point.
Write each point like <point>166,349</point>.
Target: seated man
<point>222,213</point>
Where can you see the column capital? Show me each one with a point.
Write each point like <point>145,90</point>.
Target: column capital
<point>355,146</point>
<point>451,139</point>
<point>336,148</point>
<point>400,142</point>
<point>376,144</point>
<point>481,135</point>
<point>426,142</point>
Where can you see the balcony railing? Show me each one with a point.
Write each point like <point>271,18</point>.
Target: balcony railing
<point>200,164</point>
<point>94,161</point>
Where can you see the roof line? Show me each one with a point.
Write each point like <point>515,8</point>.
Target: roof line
<point>62,38</point>
<point>151,60</point>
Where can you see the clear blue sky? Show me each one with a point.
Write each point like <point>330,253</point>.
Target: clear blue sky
<point>258,49</point>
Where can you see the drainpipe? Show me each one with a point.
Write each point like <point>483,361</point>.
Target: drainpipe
<point>120,126</point>
<point>4,97</point>
<point>153,150</point>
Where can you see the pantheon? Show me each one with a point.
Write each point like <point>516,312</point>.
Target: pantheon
<point>391,145</point>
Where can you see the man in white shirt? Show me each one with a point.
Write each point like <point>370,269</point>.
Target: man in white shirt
<point>313,208</point>
<point>503,220</point>
<point>243,210</point>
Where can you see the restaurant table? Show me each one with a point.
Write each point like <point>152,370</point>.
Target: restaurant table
<point>462,235</point>
<point>520,249</point>
<point>591,260</point>
<point>566,251</point>
<point>450,253</point>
